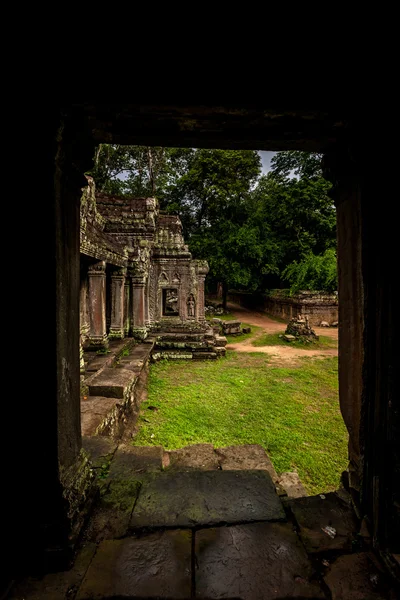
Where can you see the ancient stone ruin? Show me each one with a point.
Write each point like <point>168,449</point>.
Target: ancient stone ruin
<point>138,277</point>
<point>300,329</point>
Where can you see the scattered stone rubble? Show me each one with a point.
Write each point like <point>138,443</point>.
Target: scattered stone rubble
<point>299,329</point>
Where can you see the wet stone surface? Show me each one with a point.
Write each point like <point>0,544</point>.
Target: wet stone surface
<point>253,562</point>
<point>359,577</point>
<point>188,499</point>
<point>315,514</point>
<point>56,586</point>
<point>153,566</point>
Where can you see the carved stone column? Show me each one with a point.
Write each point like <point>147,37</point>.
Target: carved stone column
<point>138,308</point>
<point>127,299</point>
<point>97,305</point>
<point>117,304</point>
<point>202,270</point>
<point>81,359</point>
<point>147,302</point>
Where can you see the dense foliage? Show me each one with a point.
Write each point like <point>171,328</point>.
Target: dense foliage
<point>256,231</point>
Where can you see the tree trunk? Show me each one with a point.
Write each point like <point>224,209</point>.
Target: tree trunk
<point>151,171</point>
<point>224,294</point>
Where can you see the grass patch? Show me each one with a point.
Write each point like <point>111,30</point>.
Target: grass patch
<point>292,412</point>
<point>273,339</point>
<point>234,339</point>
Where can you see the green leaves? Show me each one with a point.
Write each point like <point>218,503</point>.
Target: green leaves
<point>256,231</point>
<point>313,272</point>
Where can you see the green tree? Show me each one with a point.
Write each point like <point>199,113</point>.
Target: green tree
<point>293,204</point>
<point>216,189</point>
<point>313,272</point>
<point>138,170</point>
<point>252,229</point>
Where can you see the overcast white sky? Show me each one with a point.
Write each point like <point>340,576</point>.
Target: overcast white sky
<point>266,160</point>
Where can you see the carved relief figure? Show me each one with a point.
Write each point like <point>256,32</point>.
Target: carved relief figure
<point>171,302</point>
<point>191,306</point>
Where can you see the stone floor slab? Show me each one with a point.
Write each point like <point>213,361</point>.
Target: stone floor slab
<point>192,498</point>
<point>359,577</point>
<point>197,456</point>
<point>253,562</point>
<point>56,586</point>
<point>247,456</point>
<point>152,566</point>
<point>315,513</point>
<point>129,460</point>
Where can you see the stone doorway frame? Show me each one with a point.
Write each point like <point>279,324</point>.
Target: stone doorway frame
<point>366,295</point>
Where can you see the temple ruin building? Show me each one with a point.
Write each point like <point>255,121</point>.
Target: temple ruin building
<point>137,273</point>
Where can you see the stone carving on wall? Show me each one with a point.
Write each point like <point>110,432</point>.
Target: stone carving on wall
<point>171,302</point>
<point>163,278</point>
<point>191,307</point>
<point>143,261</point>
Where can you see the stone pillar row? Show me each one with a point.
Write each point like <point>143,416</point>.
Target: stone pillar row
<point>128,306</point>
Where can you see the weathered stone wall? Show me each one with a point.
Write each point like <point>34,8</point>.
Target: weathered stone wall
<point>316,305</point>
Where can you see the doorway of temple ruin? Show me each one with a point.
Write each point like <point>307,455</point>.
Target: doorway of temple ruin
<point>366,290</point>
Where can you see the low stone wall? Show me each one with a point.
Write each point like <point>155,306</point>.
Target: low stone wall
<point>318,306</point>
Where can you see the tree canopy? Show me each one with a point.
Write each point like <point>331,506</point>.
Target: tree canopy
<point>256,231</point>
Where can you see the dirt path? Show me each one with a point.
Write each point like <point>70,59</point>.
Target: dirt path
<point>284,356</point>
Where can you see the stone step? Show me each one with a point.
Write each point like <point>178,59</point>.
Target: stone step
<point>129,460</point>
<point>179,337</point>
<point>204,355</point>
<point>292,485</point>
<point>197,456</point>
<point>246,457</point>
<point>182,345</point>
<point>205,498</point>
<point>95,412</point>
<point>112,383</point>
<point>99,448</point>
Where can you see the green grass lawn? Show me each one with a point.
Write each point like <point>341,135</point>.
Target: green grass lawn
<point>292,412</point>
<point>273,339</point>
